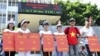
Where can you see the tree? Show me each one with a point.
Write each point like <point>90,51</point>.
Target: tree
<point>78,11</point>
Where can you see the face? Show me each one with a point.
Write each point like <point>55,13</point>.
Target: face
<point>11,25</point>
<point>72,23</point>
<point>87,23</point>
<point>25,24</point>
<point>46,27</point>
<point>59,28</point>
<point>90,23</point>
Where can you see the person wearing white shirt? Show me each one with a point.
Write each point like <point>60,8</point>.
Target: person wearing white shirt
<point>59,32</point>
<point>85,32</point>
<point>10,28</point>
<point>45,31</point>
<point>23,29</point>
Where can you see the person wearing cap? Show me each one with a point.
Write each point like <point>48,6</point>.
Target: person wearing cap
<point>72,33</point>
<point>10,28</point>
<point>58,32</point>
<point>86,31</point>
<point>45,31</point>
<point>23,28</point>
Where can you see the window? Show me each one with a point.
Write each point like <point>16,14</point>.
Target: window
<point>14,3</point>
<point>11,16</point>
<point>2,5</point>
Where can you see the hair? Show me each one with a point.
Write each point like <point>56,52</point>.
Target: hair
<point>19,25</point>
<point>9,27</point>
<point>45,24</point>
<point>58,26</point>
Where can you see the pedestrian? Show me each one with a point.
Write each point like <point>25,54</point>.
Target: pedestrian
<point>58,32</point>
<point>45,31</point>
<point>23,28</point>
<point>86,31</point>
<point>72,33</point>
<point>10,28</point>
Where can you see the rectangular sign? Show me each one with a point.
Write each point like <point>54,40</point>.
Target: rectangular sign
<point>93,44</point>
<point>62,43</point>
<point>8,41</point>
<point>36,8</point>
<point>21,42</point>
<point>34,42</point>
<point>48,43</point>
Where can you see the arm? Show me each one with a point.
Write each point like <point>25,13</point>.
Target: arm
<point>66,31</point>
<point>78,32</point>
<point>40,32</point>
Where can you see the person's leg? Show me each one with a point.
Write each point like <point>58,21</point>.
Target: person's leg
<point>50,53</point>
<point>44,53</point>
<point>70,50</point>
<point>88,50</point>
<point>6,53</point>
<point>12,53</point>
<point>66,53</point>
<point>54,53</point>
<point>98,53</point>
<point>27,53</point>
<point>21,53</point>
<point>75,50</point>
<point>57,52</point>
<point>3,54</point>
<point>60,53</point>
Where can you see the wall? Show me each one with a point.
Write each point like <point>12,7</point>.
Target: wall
<point>34,20</point>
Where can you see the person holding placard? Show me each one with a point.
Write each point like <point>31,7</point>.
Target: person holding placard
<point>45,31</point>
<point>10,28</point>
<point>23,28</point>
<point>85,32</point>
<point>59,32</point>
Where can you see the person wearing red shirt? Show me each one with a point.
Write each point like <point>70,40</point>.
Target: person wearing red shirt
<point>72,33</point>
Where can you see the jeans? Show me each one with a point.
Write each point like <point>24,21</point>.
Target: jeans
<point>59,53</point>
<point>75,50</point>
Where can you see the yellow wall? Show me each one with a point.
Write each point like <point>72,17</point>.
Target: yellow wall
<point>34,20</point>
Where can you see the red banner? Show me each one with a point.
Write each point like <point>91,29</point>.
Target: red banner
<point>48,43</point>
<point>8,41</point>
<point>34,42</point>
<point>62,43</point>
<point>93,44</point>
<point>21,43</point>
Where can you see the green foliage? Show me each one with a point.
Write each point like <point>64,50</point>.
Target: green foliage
<point>78,11</point>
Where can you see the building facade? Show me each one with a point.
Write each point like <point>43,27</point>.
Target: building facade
<point>8,10</point>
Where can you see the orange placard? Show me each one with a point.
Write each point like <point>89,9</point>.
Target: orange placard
<point>94,48</point>
<point>48,43</point>
<point>34,42</point>
<point>93,44</point>
<point>21,42</point>
<point>8,41</point>
<point>62,43</point>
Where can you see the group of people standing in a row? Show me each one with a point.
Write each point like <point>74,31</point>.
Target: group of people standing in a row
<point>71,32</point>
